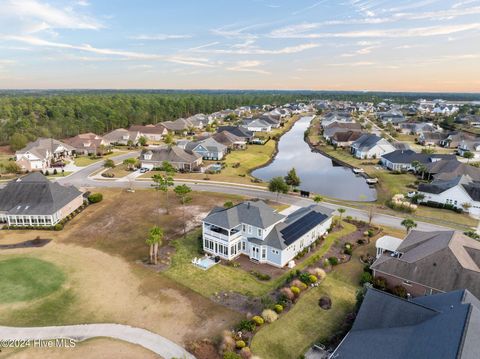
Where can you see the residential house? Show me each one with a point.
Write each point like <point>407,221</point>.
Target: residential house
<point>335,116</point>
<point>86,143</point>
<point>150,132</point>
<point>345,139</point>
<point>454,139</point>
<point>179,158</point>
<point>417,128</point>
<point>371,146</point>
<point>42,153</point>
<point>200,120</point>
<point>469,146</point>
<point>431,138</point>
<point>432,262</point>
<point>122,136</point>
<point>450,169</point>
<point>273,121</point>
<point>403,160</point>
<point>437,326</point>
<point>330,130</point>
<point>208,148</point>
<point>257,125</point>
<point>237,131</point>
<point>393,117</point>
<point>34,201</point>
<point>472,120</point>
<point>259,232</point>
<point>460,192</point>
<point>230,140</point>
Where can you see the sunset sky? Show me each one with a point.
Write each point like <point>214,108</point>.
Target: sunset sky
<point>421,45</point>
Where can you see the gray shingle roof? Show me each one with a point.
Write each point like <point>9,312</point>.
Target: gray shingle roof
<point>254,213</point>
<point>42,145</point>
<point>409,156</point>
<point>170,154</point>
<point>438,326</point>
<point>444,260</point>
<point>35,194</point>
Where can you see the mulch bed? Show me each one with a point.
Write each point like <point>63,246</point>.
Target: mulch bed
<point>247,265</point>
<point>238,302</point>
<point>33,243</point>
<point>203,349</point>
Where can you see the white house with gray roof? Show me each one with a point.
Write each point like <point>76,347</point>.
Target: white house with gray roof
<point>42,153</point>
<point>34,201</point>
<point>371,146</point>
<point>256,230</point>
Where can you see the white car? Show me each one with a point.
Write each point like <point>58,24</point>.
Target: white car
<point>411,194</point>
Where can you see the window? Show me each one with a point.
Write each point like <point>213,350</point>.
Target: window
<point>244,228</point>
<point>275,251</point>
<point>264,253</point>
<point>259,232</point>
<point>250,229</point>
<point>243,245</point>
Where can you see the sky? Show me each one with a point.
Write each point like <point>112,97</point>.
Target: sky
<point>420,45</point>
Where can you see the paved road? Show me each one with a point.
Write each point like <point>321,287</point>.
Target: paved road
<point>151,341</point>
<point>81,179</point>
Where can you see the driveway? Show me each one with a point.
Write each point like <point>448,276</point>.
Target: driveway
<point>151,341</point>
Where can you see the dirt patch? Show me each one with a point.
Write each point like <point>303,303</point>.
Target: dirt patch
<point>238,302</point>
<point>37,242</point>
<point>204,349</point>
<point>247,265</point>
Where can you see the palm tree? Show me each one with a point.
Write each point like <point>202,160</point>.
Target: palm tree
<point>182,192</point>
<point>341,211</point>
<point>154,240</point>
<point>408,223</point>
<point>317,199</point>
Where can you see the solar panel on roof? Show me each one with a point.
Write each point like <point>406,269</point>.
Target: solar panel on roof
<point>303,225</point>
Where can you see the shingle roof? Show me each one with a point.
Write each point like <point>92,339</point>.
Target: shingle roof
<point>444,260</point>
<point>42,145</point>
<point>437,326</point>
<point>209,143</point>
<point>35,194</point>
<point>409,156</point>
<point>255,213</point>
<point>237,131</point>
<point>171,154</point>
<point>227,138</point>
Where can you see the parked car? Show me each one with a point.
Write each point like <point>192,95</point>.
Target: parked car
<point>144,170</point>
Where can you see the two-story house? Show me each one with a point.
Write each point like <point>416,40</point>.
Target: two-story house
<point>42,153</point>
<point>256,230</point>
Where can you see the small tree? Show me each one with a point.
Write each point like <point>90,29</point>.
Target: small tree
<point>168,139</point>
<point>130,163</point>
<point>228,204</point>
<point>142,141</point>
<point>292,178</point>
<point>18,141</point>
<point>468,155</point>
<point>317,199</point>
<point>154,240</point>
<point>408,223</point>
<point>182,191</point>
<point>161,183</point>
<point>341,211</point>
<point>12,167</point>
<point>278,185</point>
<point>109,164</point>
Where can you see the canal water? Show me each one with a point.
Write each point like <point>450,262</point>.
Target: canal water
<point>318,173</point>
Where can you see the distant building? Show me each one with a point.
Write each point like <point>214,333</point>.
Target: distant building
<point>122,136</point>
<point>34,201</point>
<point>150,132</point>
<point>86,143</point>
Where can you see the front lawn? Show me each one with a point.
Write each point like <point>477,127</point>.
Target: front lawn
<point>83,161</point>
<point>23,279</point>
<point>306,322</point>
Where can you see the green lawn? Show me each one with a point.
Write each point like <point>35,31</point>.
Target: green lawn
<point>221,278</point>
<point>119,171</point>
<point>83,161</point>
<point>59,174</point>
<point>23,279</point>
<point>292,334</point>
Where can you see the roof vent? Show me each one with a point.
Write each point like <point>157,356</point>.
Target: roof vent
<point>248,205</point>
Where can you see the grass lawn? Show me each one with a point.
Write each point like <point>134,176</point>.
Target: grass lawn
<point>83,161</point>
<point>59,174</point>
<point>306,322</point>
<point>24,279</point>
<point>221,278</point>
<point>119,171</point>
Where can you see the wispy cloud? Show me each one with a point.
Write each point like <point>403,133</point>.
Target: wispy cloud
<point>261,51</point>
<point>160,37</point>
<point>305,9</point>
<point>248,66</point>
<point>354,64</point>
<point>39,16</point>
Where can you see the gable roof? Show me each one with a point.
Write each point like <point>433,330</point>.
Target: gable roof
<point>237,131</point>
<point>443,260</point>
<point>170,154</point>
<point>35,194</point>
<point>450,169</point>
<point>368,141</point>
<point>42,146</point>
<point>435,326</point>
<point>254,213</point>
<point>227,138</point>
<point>409,156</point>
<point>209,144</point>
<point>157,129</point>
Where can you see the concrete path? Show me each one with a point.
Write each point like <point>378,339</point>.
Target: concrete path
<point>154,342</point>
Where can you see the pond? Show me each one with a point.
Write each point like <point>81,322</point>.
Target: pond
<point>318,173</point>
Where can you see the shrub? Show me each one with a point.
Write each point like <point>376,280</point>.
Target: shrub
<point>312,278</point>
<point>400,291</point>
<point>246,353</point>
<point>370,232</point>
<point>295,290</point>
<point>240,344</point>
<point>333,261</point>
<point>228,343</point>
<point>269,315</point>
<point>366,278</point>
<point>305,277</point>
<point>287,292</point>
<point>260,276</point>
<point>348,251</point>
<point>231,355</point>
<point>58,227</point>
<point>380,283</point>
<point>278,308</point>
<point>299,284</point>
<point>95,197</point>
<point>318,272</point>
<point>246,326</point>
<point>258,320</point>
